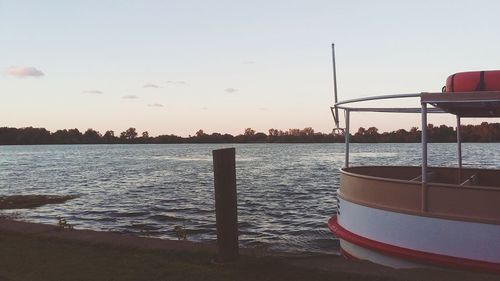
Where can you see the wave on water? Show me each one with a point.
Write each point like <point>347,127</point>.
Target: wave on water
<point>183,159</point>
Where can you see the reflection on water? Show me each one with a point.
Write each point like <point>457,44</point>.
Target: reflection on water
<point>285,191</point>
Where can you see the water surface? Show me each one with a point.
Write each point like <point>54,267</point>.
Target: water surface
<point>285,191</point>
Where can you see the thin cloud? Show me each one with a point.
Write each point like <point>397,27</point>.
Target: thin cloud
<point>176,82</point>
<point>249,62</point>
<point>130,97</point>
<point>24,72</point>
<point>155,105</point>
<point>93,92</point>
<point>263,109</point>
<point>151,85</point>
<point>230,90</point>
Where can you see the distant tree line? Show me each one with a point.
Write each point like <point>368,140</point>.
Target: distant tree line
<point>484,132</point>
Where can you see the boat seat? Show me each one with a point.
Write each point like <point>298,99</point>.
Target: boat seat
<point>431,176</point>
<point>472,180</point>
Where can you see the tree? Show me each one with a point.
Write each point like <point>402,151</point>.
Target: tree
<point>200,133</point>
<point>249,132</point>
<point>359,136</point>
<point>60,136</point>
<point>294,132</point>
<point>273,132</point>
<point>361,131</point>
<point>8,135</point>
<point>74,136</point>
<point>372,131</point>
<point>28,135</point>
<point>129,134</point>
<point>91,136</point>
<point>260,137</point>
<point>308,131</point>
<point>109,137</point>
<point>145,135</point>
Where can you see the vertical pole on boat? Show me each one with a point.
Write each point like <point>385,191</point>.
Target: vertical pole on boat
<point>346,136</point>
<point>226,207</point>
<point>459,148</point>
<point>424,157</point>
<point>336,113</point>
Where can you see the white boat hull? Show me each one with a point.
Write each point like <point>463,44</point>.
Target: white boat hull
<point>403,240</point>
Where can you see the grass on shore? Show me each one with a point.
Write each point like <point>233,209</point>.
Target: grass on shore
<point>26,257</point>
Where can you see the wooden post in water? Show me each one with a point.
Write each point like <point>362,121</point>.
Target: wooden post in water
<point>226,207</point>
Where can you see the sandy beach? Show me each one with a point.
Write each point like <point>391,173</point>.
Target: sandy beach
<point>46,252</point>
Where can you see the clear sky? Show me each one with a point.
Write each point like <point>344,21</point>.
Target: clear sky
<point>173,67</point>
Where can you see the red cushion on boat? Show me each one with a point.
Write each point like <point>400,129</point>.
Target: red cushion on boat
<point>492,80</point>
<point>471,81</point>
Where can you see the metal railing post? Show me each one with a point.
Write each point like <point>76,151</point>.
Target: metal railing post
<point>336,113</point>
<point>459,148</point>
<point>424,157</point>
<point>346,136</point>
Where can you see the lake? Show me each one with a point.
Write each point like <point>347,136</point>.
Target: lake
<point>286,192</point>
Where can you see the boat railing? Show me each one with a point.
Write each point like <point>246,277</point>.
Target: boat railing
<point>341,105</point>
<point>470,104</point>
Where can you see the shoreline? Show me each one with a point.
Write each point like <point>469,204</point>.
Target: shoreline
<point>239,143</point>
<point>322,265</point>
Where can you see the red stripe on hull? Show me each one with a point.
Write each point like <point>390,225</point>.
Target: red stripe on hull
<point>409,254</point>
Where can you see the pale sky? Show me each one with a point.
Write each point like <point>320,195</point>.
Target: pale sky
<point>173,67</point>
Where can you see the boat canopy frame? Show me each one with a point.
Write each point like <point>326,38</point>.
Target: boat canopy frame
<point>462,105</point>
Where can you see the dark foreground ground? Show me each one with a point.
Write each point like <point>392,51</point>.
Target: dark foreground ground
<point>42,252</point>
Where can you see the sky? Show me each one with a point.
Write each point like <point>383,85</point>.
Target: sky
<point>174,67</point>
